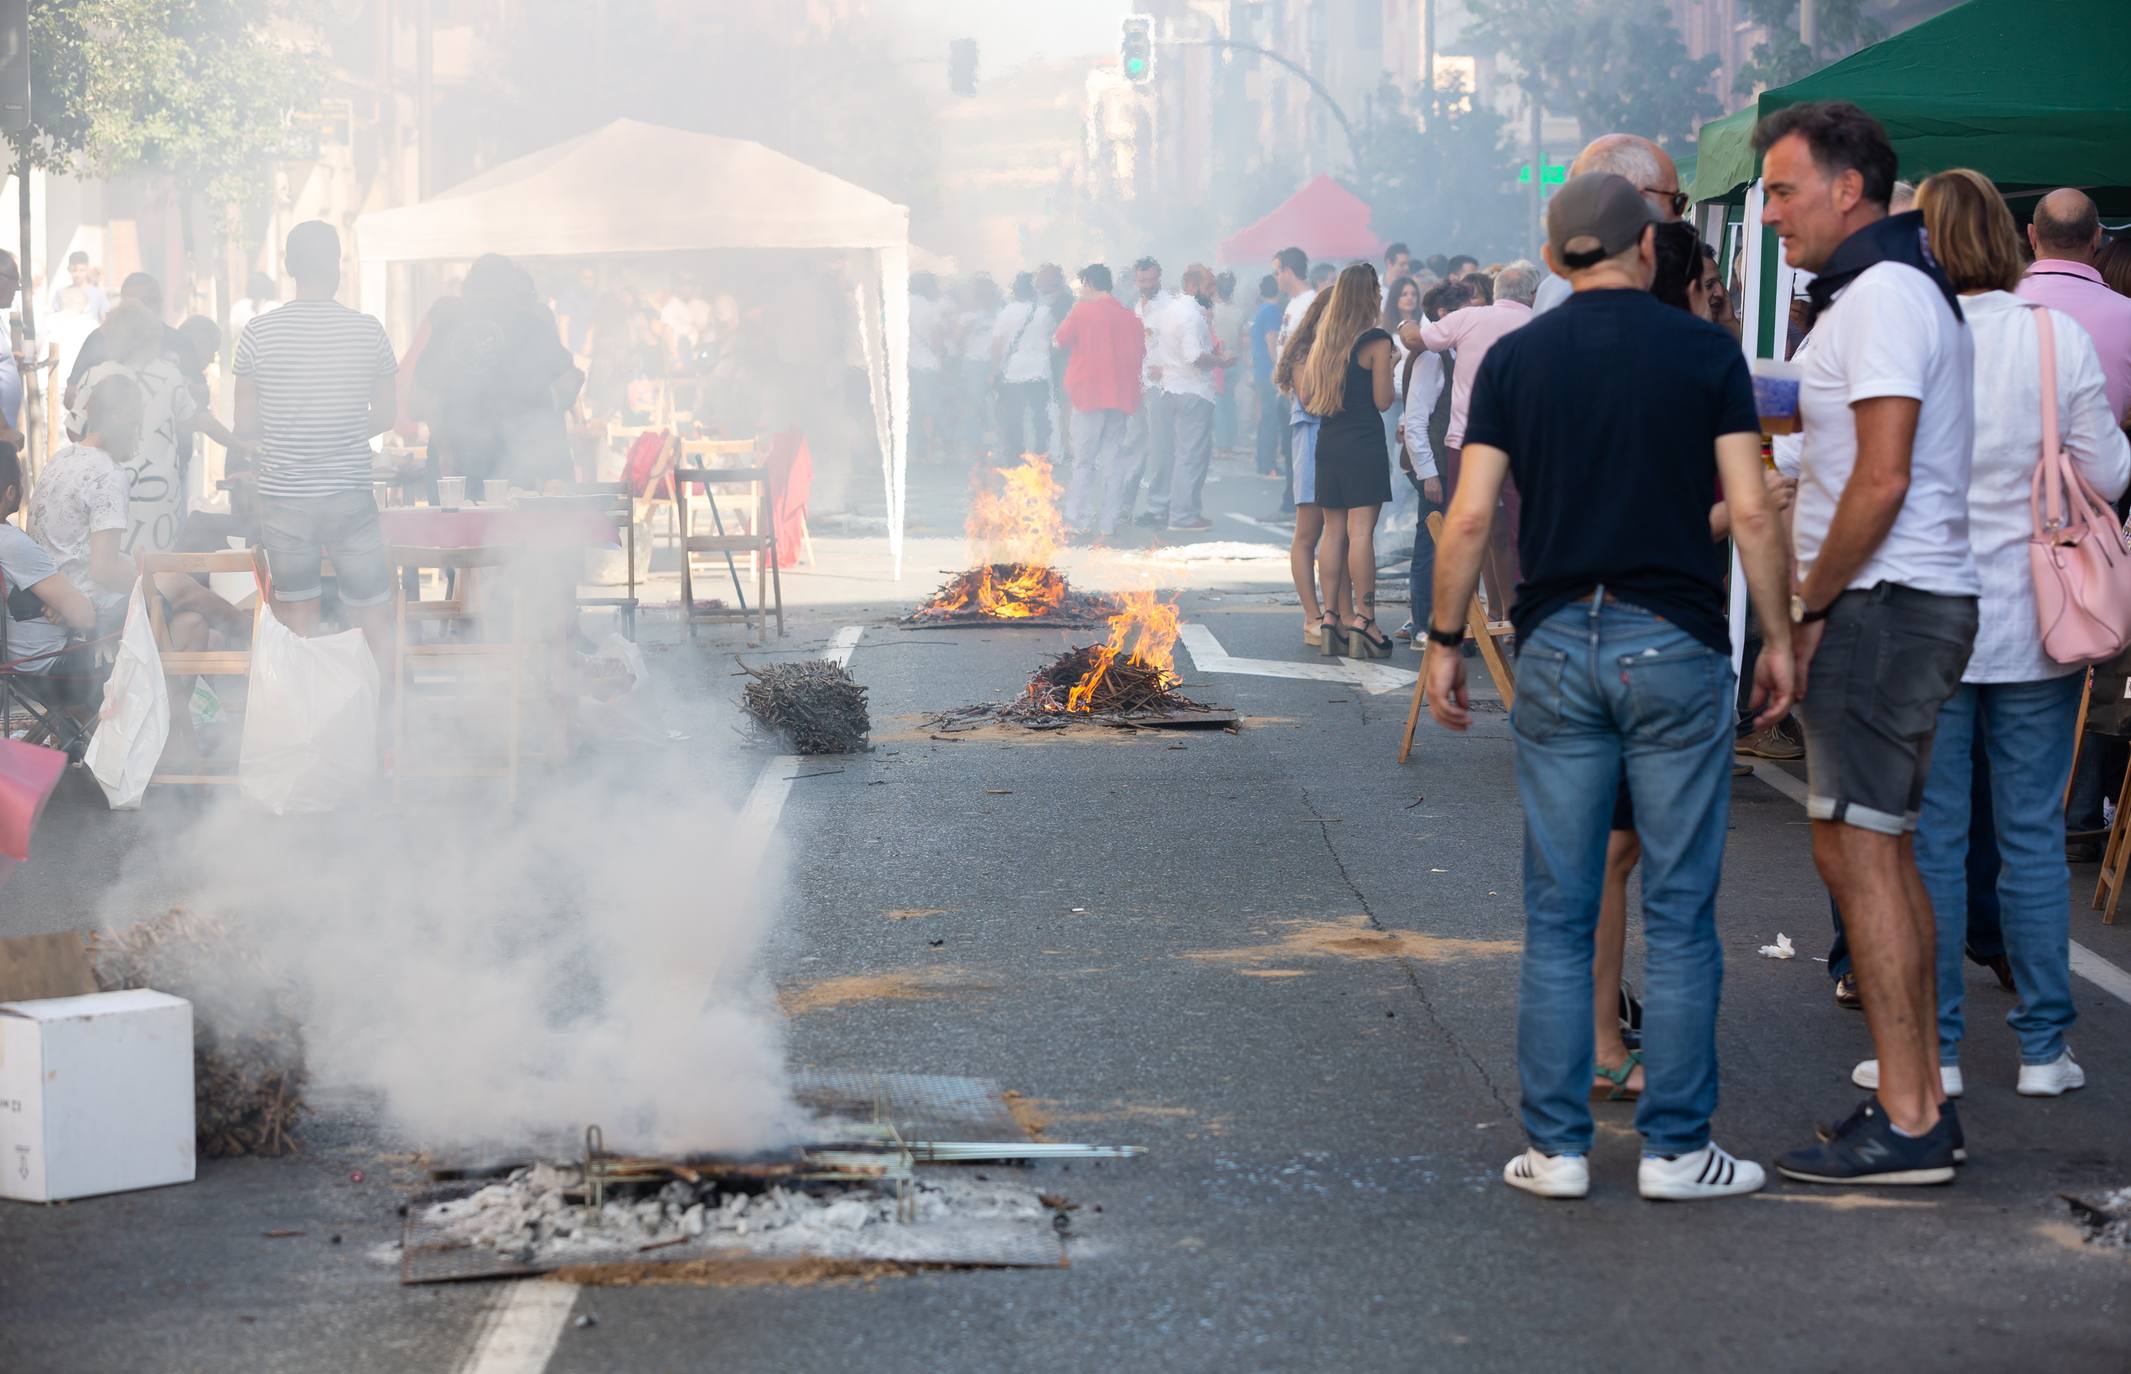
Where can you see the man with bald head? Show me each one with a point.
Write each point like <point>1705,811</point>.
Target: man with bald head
<point>2066,237</point>
<point>1646,166</point>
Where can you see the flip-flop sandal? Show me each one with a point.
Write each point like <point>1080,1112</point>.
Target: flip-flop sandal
<point>1619,1079</point>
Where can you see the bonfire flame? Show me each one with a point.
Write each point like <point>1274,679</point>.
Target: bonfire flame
<point>1014,533</point>
<point>1020,523</point>
<point>1156,624</point>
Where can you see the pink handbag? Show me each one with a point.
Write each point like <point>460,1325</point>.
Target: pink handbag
<point>2080,560</point>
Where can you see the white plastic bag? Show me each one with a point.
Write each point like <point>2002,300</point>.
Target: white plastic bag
<point>310,719</point>
<point>134,724</point>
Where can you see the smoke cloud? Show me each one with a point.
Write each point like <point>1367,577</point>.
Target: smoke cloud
<point>502,976</point>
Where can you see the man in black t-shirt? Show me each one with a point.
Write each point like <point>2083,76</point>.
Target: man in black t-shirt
<point>1616,415</point>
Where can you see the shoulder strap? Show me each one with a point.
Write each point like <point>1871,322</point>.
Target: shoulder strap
<point>2046,339</point>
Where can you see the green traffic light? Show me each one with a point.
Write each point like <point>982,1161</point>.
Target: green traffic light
<point>1136,66</point>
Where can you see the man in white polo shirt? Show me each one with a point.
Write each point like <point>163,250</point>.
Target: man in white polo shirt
<point>1885,604</point>
<point>1187,353</point>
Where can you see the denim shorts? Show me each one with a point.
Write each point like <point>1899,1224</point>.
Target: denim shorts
<point>344,525</point>
<point>1890,657</point>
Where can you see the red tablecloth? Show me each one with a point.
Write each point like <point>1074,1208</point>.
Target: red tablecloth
<point>560,524</point>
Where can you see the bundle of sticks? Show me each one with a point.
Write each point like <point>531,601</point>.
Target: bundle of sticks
<point>248,1074</point>
<point>817,705</point>
<point>1118,684</point>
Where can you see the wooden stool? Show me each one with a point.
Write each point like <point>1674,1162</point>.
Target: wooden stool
<point>1481,629</point>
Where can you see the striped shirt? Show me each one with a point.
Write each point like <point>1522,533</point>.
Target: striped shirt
<point>314,366</point>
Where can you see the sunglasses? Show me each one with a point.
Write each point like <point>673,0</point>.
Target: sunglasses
<point>1678,198</point>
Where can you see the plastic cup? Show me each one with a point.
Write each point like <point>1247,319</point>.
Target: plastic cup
<point>451,491</point>
<point>1776,394</point>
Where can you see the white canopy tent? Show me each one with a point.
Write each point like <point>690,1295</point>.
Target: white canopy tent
<point>632,187</point>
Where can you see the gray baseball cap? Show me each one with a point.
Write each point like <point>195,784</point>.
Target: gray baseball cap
<point>1595,216</point>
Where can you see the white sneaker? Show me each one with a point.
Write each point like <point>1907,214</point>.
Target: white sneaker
<point>1549,1175</point>
<point>1708,1172</point>
<point>1866,1075</point>
<point>2053,1079</point>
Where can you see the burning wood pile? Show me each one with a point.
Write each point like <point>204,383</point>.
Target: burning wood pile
<point>817,705</point>
<point>1014,534</point>
<point>248,1072</point>
<point>1129,680</point>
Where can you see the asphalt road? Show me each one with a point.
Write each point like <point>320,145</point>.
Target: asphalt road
<point>1279,961</point>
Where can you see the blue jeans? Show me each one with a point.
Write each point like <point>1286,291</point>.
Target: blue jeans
<point>1604,688</point>
<point>2026,732</point>
<point>1420,578</point>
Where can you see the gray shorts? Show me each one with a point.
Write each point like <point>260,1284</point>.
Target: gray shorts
<point>1890,658</point>
<point>294,529</point>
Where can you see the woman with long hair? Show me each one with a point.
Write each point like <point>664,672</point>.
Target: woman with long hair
<point>1320,622</point>
<point>1346,381</point>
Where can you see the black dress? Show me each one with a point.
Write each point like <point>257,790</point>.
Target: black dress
<point>1353,462</point>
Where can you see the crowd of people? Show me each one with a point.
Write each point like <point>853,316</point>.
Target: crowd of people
<point>1611,427</point>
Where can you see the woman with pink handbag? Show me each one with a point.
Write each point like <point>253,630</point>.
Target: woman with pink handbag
<point>2049,459</point>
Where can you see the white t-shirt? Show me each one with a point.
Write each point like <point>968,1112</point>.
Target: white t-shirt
<point>1890,333</point>
<point>1291,319</point>
<point>1023,332</point>
<point>1182,335</point>
<point>155,475</point>
<point>23,564</point>
<point>1149,309</point>
<point>81,492</point>
<point>1552,292</point>
<point>924,334</point>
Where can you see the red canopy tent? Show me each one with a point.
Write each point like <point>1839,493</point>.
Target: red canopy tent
<point>1323,219</point>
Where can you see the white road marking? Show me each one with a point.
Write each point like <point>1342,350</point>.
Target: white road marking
<point>519,1333</point>
<point>2101,973</point>
<point>2085,962</point>
<point>842,643</point>
<point>765,801</point>
<point>1256,523</point>
<point>1208,655</point>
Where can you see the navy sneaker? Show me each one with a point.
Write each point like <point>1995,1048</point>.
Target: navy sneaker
<point>1948,1113</point>
<point>1866,1149</point>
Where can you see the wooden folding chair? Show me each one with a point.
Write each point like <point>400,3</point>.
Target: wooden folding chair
<point>616,500</point>
<point>760,544</point>
<point>197,662</point>
<point>455,661</point>
<point>748,514</point>
<point>1482,630</point>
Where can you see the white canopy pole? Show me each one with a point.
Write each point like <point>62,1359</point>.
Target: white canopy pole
<point>895,312</point>
<point>868,297</point>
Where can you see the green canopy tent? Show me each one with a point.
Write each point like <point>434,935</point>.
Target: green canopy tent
<point>2031,93</point>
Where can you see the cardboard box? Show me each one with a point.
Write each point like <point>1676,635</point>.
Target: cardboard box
<point>95,1095</point>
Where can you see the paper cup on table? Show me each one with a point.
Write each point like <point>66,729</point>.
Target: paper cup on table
<point>1776,394</point>
<point>451,491</point>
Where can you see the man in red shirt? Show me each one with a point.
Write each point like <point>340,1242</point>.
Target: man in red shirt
<point>1105,345</point>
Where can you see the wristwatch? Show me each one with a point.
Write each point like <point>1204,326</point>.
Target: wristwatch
<point>1449,639</point>
<point>1801,615</point>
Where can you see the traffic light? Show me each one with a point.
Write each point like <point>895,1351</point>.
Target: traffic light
<point>1136,50</point>
<point>962,66</point>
